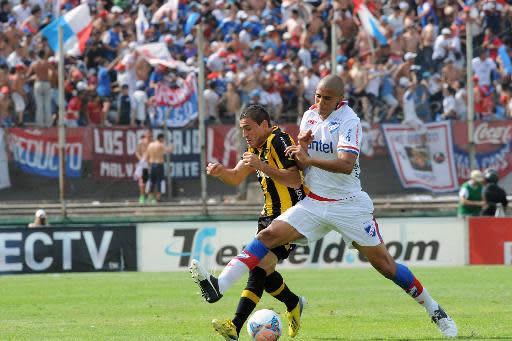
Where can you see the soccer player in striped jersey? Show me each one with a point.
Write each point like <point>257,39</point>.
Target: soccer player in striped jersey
<point>282,188</point>
<point>328,151</point>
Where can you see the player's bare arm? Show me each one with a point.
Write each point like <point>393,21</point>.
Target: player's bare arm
<point>290,177</point>
<point>230,176</point>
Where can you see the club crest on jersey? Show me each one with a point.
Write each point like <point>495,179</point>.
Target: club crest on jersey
<point>333,126</point>
<point>370,229</point>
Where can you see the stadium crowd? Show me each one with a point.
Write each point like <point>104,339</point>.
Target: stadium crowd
<point>268,52</point>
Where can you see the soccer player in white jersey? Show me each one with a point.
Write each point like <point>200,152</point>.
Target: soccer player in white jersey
<point>328,151</point>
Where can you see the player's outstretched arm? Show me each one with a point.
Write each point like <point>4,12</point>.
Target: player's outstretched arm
<point>343,164</point>
<point>289,177</point>
<point>230,176</point>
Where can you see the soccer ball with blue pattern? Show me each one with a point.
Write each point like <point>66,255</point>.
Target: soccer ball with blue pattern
<point>264,325</point>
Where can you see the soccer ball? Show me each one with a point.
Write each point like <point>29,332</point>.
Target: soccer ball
<point>264,325</point>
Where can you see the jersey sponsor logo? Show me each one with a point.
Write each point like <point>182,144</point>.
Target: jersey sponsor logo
<point>320,146</point>
<point>348,136</point>
<point>311,122</point>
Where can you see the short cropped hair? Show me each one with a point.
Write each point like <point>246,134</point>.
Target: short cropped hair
<point>257,113</point>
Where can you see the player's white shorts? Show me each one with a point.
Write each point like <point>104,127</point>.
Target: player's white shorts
<point>352,217</point>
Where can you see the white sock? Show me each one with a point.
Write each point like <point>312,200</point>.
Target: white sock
<point>427,301</point>
<point>231,274</point>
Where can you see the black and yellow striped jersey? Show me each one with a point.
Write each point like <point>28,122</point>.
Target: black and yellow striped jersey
<point>278,197</point>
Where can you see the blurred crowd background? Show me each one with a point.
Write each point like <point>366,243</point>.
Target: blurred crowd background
<point>267,52</point>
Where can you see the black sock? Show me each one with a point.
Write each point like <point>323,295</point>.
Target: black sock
<point>249,297</point>
<point>275,286</point>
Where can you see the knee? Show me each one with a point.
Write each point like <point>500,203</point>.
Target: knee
<point>267,237</point>
<point>386,266</point>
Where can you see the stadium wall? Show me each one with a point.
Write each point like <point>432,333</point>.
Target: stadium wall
<point>170,246</point>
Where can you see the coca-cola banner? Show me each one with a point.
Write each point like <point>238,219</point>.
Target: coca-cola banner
<point>493,141</point>
<point>114,152</point>
<point>423,160</point>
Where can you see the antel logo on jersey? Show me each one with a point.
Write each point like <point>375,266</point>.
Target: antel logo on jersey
<point>320,146</point>
<point>493,135</point>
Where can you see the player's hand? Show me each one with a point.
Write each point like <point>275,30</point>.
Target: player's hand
<point>252,160</point>
<point>305,138</point>
<point>299,153</point>
<point>214,169</point>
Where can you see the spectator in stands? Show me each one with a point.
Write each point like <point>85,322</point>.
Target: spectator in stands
<point>40,219</point>
<point>470,195</point>
<point>94,111</point>
<point>124,108</point>
<point>483,66</point>
<point>495,197</point>
<point>5,11</point>
<point>18,80</point>
<point>211,99</point>
<point>231,103</point>
<point>42,89</point>
<point>75,106</point>
<point>21,11</point>
<point>139,102</point>
<point>449,104</point>
<point>5,106</point>
<point>409,106</point>
<point>156,157</point>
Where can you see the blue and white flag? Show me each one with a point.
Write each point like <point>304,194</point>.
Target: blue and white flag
<point>141,25</point>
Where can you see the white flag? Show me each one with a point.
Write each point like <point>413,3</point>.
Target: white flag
<point>141,25</point>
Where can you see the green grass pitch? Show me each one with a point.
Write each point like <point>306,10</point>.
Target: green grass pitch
<point>343,304</point>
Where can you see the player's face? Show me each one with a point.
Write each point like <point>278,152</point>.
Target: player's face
<point>253,132</point>
<point>326,100</point>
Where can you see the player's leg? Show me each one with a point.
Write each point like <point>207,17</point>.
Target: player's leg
<point>213,288</point>
<point>276,287</point>
<point>249,298</point>
<point>354,220</point>
<point>297,223</point>
<point>400,274</point>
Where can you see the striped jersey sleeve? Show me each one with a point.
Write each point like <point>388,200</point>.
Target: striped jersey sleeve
<point>350,137</point>
<point>279,143</point>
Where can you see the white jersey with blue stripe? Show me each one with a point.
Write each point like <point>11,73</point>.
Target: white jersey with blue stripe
<point>340,132</point>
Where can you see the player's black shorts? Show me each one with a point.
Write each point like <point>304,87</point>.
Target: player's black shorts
<point>156,176</point>
<point>145,175</point>
<point>283,251</point>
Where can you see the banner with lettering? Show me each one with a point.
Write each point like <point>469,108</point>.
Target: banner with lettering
<point>4,166</point>
<point>114,152</point>
<point>493,141</point>
<point>36,151</point>
<point>176,106</point>
<point>423,160</point>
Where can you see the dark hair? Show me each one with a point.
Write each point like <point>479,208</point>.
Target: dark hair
<point>160,136</point>
<point>257,113</point>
